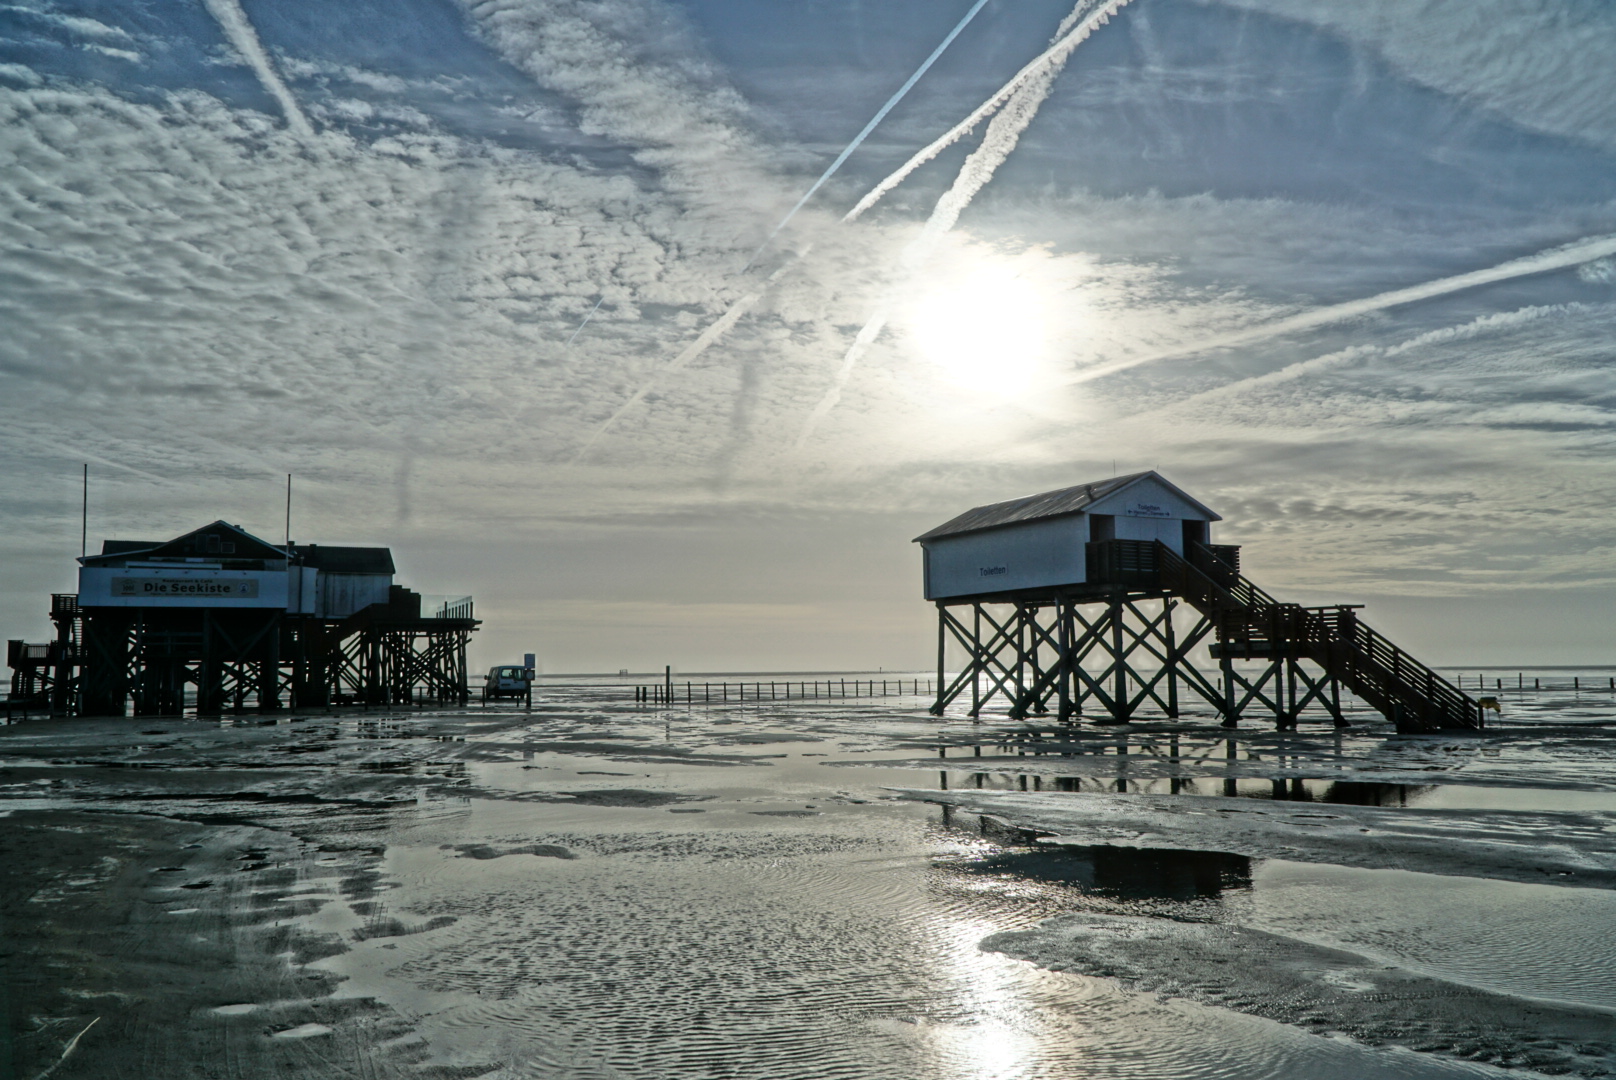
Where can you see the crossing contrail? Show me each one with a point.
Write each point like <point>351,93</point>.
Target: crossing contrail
<point>233,21</point>
<point>703,340</point>
<point>733,315</point>
<point>1004,132</point>
<point>876,119</point>
<point>1051,59</point>
<point>1583,251</point>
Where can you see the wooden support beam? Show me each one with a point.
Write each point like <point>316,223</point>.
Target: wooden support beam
<point>1122,655</point>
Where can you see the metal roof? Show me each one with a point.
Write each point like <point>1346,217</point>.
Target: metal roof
<point>1049,504</point>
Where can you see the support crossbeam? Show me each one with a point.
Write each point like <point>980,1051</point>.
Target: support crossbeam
<point>1112,658</point>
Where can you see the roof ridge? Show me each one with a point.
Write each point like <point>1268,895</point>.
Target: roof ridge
<point>1050,504</point>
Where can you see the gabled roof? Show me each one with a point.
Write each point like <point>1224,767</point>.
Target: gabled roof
<point>202,542</point>
<point>345,560</point>
<point>208,540</point>
<point>1051,504</point>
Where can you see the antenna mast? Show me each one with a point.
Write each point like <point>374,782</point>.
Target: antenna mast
<point>84,515</point>
<point>288,515</point>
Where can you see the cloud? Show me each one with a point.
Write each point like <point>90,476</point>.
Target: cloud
<point>1598,272</point>
<point>80,25</point>
<point>1546,64</point>
<point>1456,460</point>
<point>19,73</point>
<point>306,68</point>
<point>637,77</point>
<point>194,286</point>
<point>116,54</point>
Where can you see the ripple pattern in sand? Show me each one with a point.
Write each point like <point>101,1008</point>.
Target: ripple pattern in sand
<point>787,957</point>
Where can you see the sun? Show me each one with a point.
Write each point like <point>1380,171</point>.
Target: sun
<point>987,330</point>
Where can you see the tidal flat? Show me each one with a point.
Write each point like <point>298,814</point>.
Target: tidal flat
<point>851,888</point>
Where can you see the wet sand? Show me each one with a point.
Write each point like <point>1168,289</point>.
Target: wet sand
<point>595,889</point>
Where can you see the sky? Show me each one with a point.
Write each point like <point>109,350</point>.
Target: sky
<point>503,284</point>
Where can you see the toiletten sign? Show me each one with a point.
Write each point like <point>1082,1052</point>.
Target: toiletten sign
<point>194,588</point>
<point>1147,509</point>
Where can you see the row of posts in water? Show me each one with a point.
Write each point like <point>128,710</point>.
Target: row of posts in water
<point>1480,683</point>
<point>668,693</point>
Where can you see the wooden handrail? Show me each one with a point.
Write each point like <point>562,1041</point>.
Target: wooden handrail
<point>1371,665</point>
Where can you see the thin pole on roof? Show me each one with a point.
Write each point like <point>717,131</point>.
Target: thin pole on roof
<point>84,515</point>
<point>288,514</point>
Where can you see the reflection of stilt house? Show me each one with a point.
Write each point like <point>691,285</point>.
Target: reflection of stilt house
<point>224,620</point>
<point>1069,597</point>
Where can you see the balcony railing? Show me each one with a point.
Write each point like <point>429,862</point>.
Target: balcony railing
<point>448,607</point>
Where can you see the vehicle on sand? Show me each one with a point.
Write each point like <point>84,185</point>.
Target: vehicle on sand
<point>508,681</point>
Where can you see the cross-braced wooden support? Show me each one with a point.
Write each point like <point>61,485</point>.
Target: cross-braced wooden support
<point>1111,657</point>
<point>395,665</point>
<point>1274,687</point>
<point>161,660</point>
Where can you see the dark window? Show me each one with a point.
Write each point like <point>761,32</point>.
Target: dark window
<point>1194,533</point>
<point>1102,527</point>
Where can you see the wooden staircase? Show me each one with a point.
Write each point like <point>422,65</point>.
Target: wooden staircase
<point>1249,623</point>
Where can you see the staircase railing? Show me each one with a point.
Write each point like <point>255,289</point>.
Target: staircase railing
<point>1334,637</point>
<point>1415,684</point>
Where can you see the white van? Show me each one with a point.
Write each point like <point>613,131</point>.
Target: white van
<point>508,681</point>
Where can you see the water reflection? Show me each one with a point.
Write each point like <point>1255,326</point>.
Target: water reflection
<point>1348,793</point>
<point>1120,873</point>
<point>1293,789</point>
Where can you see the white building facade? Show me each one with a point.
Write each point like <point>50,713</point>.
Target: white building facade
<point>1041,541</point>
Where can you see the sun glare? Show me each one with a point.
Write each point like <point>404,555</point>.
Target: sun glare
<point>987,330</point>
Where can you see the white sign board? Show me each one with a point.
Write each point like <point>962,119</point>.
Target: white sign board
<point>179,586</point>
<point>229,589</point>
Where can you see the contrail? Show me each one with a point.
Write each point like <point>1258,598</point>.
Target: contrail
<point>1558,258</point>
<point>234,22</point>
<point>1052,58</point>
<point>717,330</point>
<point>585,323</point>
<point>724,323</point>
<point>876,119</point>
<point>1003,133</point>
<point>947,211</point>
<point>1473,329</point>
